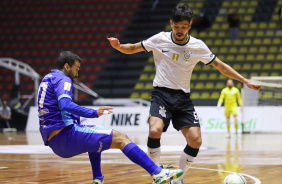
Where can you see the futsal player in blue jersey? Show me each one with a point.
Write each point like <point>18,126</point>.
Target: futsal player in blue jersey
<point>61,130</point>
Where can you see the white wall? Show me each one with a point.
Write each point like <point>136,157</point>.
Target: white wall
<point>135,119</point>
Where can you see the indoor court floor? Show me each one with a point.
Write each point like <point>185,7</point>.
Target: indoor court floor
<point>24,159</point>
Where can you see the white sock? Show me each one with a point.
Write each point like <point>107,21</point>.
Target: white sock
<point>154,154</point>
<point>185,162</point>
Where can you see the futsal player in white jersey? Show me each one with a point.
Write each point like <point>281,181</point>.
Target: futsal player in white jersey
<point>175,55</point>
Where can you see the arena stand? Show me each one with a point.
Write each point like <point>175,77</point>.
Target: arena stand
<point>35,32</point>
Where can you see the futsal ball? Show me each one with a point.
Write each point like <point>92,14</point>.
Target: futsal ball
<point>235,178</point>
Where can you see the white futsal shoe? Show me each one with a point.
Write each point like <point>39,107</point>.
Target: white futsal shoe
<point>166,175</point>
<point>169,166</point>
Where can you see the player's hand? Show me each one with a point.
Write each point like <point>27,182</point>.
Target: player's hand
<point>241,108</point>
<point>252,85</point>
<point>104,110</point>
<point>218,107</point>
<point>114,42</point>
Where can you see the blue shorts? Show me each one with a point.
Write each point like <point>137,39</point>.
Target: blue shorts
<point>76,139</point>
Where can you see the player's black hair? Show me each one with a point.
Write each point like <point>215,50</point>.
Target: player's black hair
<point>181,12</point>
<point>67,57</point>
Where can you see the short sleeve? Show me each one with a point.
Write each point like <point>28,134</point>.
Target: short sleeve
<point>150,43</point>
<point>64,88</point>
<point>206,56</point>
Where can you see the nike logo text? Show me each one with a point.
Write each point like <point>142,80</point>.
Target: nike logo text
<point>188,160</point>
<point>165,51</point>
<point>153,152</point>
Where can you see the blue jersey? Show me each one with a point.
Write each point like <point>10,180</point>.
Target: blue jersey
<point>54,86</point>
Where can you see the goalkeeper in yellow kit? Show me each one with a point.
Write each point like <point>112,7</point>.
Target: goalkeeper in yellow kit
<point>230,95</point>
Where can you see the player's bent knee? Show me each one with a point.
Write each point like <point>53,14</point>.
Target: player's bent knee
<point>119,137</point>
<point>124,137</point>
<point>124,141</point>
<point>198,142</point>
<point>155,132</point>
<point>195,142</point>
<point>156,127</point>
<point>120,140</point>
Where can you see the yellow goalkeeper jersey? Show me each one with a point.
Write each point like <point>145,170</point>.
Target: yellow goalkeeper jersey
<point>230,97</point>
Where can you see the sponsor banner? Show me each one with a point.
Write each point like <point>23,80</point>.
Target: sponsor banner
<point>212,120</point>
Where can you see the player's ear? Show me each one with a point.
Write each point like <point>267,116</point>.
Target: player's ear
<point>171,23</point>
<point>191,22</point>
<point>67,67</point>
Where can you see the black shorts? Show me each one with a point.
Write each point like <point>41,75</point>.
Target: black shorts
<point>169,104</point>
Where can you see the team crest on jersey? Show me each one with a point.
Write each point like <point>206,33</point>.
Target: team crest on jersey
<point>67,86</point>
<point>175,57</point>
<point>162,111</point>
<point>187,55</point>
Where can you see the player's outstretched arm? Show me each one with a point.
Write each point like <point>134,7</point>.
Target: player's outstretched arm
<point>128,48</point>
<point>66,104</point>
<point>230,72</point>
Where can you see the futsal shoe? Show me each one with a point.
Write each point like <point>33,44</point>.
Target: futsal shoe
<point>166,175</point>
<point>169,166</point>
<point>97,181</point>
<point>176,182</point>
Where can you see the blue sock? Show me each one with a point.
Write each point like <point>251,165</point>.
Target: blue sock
<point>95,159</point>
<point>139,157</point>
